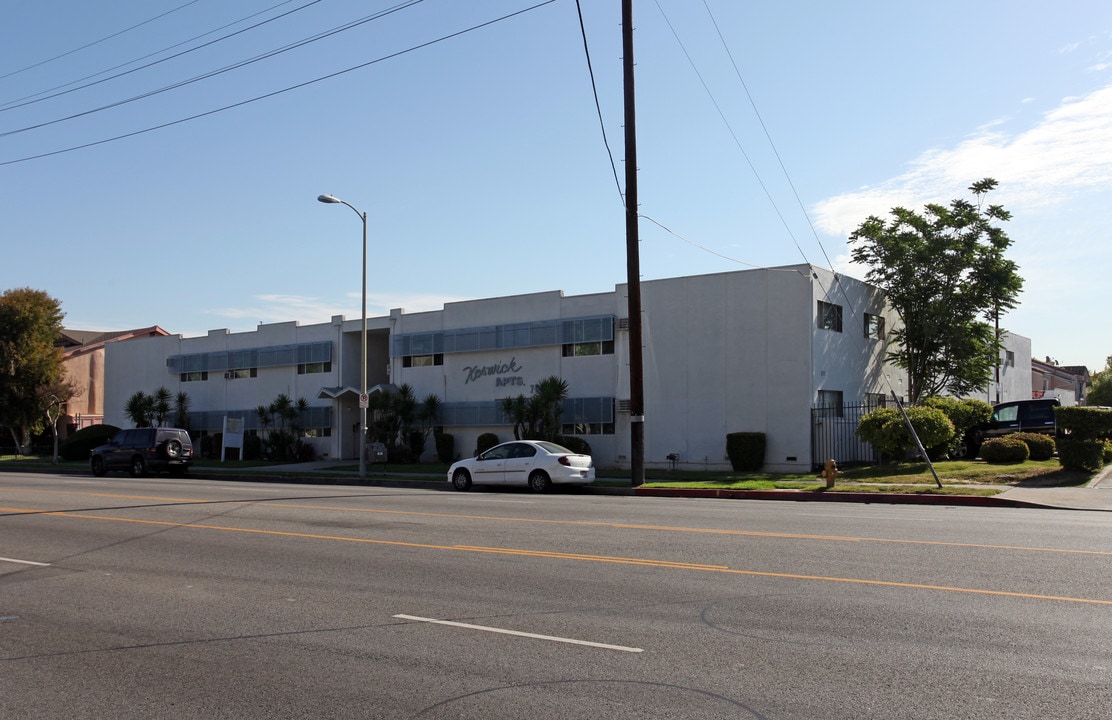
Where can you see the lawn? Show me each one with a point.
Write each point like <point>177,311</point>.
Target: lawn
<point>961,477</point>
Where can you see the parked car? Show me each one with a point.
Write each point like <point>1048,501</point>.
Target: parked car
<point>1033,416</point>
<point>535,463</point>
<point>139,450</point>
<point>1036,416</point>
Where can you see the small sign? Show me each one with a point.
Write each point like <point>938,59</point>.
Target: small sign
<point>364,400</point>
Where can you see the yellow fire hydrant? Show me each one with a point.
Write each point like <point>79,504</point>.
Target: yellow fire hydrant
<point>830,472</point>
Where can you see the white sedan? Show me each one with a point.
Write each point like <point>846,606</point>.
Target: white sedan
<point>535,463</point>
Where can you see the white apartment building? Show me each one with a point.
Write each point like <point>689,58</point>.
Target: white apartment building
<point>752,350</point>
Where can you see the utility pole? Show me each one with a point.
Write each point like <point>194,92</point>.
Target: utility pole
<point>633,261</point>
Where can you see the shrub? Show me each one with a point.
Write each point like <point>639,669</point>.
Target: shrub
<point>445,447</point>
<point>1007,449</point>
<point>1041,446</point>
<point>746,450</point>
<point>78,445</point>
<point>485,442</point>
<point>1084,423</point>
<point>252,447</point>
<point>575,444</point>
<point>1084,455</point>
<point>885,430</point>
<point>1107,452</point>
<point>965,415</point>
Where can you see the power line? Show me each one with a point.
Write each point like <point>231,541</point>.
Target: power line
<point>97,42</point>
<point>19,102</point>
<point>598,107</point>
<point>278,92</point>
<point>227,68</point>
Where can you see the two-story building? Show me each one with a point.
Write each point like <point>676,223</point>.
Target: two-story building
<point>752,350</point>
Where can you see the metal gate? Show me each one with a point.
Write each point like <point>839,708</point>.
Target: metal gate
<point>833,436</point>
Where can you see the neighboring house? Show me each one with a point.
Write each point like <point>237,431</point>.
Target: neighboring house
<point>83,362</point>
<point>752,350</point>
<point>1067,383</point>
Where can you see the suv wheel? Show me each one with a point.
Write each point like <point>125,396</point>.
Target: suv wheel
<point>138,467</point>
<point>173,449</point>
<point>98,466</point>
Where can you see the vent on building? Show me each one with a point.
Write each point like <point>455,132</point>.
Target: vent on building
<point>624,406</point>
<point>623,323</point>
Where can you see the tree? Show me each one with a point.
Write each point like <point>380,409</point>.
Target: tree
<point>1100,393</point>
<point>537,417</point>
<point>181,410</point>
<point>31,373</point>
<point>945,273</point>
<point>139,409</point>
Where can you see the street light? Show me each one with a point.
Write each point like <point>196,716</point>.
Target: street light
<point>331,199</point>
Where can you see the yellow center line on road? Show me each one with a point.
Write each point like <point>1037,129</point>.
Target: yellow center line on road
<point>587,523</point>
<point>579,557</point>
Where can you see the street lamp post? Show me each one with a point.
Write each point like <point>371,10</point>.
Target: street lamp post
<point>363,350</point>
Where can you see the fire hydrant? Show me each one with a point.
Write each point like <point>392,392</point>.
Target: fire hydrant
<point>830,472</point>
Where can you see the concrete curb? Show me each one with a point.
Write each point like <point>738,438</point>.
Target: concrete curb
<point>850,497</point>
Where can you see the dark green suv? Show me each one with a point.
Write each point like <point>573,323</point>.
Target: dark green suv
<point>139,450</point>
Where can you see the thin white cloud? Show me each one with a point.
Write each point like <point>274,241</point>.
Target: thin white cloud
<point>1069,150</point>
<point>310,310</point>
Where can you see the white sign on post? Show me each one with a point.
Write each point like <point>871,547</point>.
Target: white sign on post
<point>233,436</point>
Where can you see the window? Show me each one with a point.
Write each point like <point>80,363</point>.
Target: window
<point>875,400</point>
<point>313,367</point>
<point>874,327</point>
<point>194,376</point>
<point>830,316</point>
<point>587,428</point>
<point>422,360</point>
<point>604,347</point>
<point>241,373</point>
<point>830,403</point>
<point>1009,358</point>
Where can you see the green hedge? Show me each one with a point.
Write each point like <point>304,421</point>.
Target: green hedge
<point>77,446</point>
<point>1084,455</point>
<point>1084,423</point>
<point>1041,446</point>
<point>445,447</point>
<point>1007,449</point>
<point>576,444</point>
<point>886,431</point>
<point>746,451</point>
<point>485,442</point>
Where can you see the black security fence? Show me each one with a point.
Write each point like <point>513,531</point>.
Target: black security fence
<point>833,435</point>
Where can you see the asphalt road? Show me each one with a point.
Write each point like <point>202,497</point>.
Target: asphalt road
<point>179,598</point>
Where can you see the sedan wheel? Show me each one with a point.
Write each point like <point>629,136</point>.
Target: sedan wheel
<point>539,482</point>
<point>461,479</point>
<point>138,467</point>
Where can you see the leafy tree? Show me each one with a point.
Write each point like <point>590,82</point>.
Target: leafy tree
<point>1100,393</point>
<point>31,373</point>
<point>945,273</point>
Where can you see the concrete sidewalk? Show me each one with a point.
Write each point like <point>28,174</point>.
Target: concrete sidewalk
<point>1096,495</point>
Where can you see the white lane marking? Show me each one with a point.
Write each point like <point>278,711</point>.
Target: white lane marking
<point>24,562</point>
<point>521,634</point>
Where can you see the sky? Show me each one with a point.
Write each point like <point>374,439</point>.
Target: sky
<point>160,160</point>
